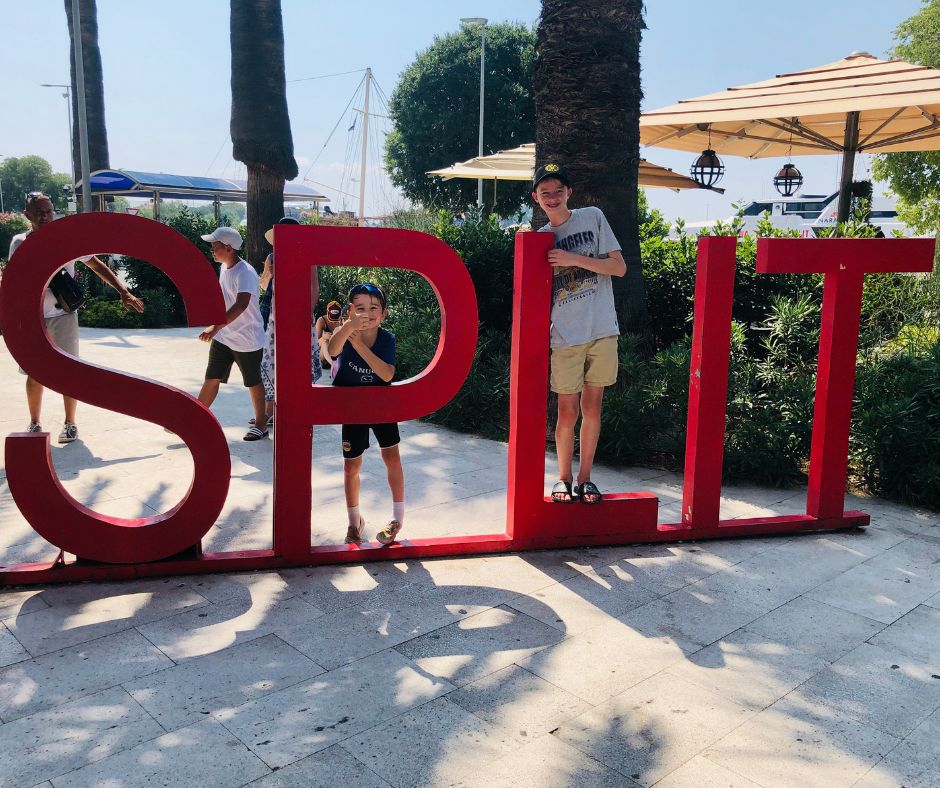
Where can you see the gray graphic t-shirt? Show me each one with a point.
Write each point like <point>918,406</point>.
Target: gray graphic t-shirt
<point>583,301</point>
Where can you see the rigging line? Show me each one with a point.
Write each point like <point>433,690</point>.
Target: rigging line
<point>381,96</point>
<point>377,85</point>
<point>378,177</point>
<point>338,121</point>
<point>326,76</point>
<point>331,188</point>
<point>227,139</point>
<point>348,162</point>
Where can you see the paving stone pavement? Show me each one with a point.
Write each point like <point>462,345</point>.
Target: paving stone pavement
<point>800,660</point>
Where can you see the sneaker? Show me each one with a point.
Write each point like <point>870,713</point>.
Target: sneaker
<point>353,534</point>
<point>389,532</point>
<point>69,433</point>
<point>34,426</point>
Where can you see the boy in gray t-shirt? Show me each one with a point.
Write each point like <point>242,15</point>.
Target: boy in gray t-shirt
<point>584,325</point>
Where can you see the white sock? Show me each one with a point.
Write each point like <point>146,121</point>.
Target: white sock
<point>398,511</point>
<point>353,513</point>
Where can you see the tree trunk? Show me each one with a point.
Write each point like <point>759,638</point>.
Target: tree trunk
<point>265,207</point>
<point>261,135</point>
<point>587,93</point>
<point>94,89</point>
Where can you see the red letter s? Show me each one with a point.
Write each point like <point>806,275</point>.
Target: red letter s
<point>45,504</point>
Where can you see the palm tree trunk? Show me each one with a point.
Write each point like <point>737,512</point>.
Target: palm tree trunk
<point>261,135</point>
<point>587,93</point>
<point>265,207</point>
<point>94,86</point>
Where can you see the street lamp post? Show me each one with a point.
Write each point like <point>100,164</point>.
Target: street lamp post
<point>481,21</point>
<point>1,187</point>
<point>68,103</point>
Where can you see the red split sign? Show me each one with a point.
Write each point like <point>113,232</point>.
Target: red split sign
<point>169,543</point>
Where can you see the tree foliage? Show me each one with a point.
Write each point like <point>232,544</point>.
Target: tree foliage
<point>20,175</point>
<point>915,177</point>
<point>435,110</point>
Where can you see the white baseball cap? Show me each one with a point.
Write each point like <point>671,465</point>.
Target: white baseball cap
<point>226,235</point>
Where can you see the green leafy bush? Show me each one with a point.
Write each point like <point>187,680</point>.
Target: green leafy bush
<point>144,276</point>
<point>108,313</point>
<point>10,224</point>
<point>158,308</point>
<point>895,440</point>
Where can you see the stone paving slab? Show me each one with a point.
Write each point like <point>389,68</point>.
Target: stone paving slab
<point>186,693</point>
<point>437,743</point>
<point>72,673</point>
<point>205,754</point>
<point>794,743</point>
<point>793,660</point>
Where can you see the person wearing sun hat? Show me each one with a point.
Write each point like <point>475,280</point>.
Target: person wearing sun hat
<point>267,359</point>
<point>326,325</point>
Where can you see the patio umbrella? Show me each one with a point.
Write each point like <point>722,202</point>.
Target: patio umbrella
<point>860,104</point>
<point>518,164</point>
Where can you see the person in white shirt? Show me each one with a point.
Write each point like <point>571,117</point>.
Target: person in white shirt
<point>61,324</point>
<point>240,339</point>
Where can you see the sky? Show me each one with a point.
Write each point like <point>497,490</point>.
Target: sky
<point>167,97</point>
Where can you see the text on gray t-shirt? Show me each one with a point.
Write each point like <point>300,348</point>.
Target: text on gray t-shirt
<point>582,300</point>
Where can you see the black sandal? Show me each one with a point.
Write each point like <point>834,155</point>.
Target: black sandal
<point>562,489</point>
<point>588,488</point>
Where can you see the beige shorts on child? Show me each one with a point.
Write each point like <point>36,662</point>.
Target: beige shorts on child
<point>591,364</point>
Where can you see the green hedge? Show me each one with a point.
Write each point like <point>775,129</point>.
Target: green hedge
<point>10,224</point>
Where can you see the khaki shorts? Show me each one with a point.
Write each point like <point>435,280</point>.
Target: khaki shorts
<point>591,364</point>
<point>63,331</point>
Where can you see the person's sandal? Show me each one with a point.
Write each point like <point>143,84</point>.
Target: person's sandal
<point>588,488</point>
<point>254,434</point>
<point>562,489</point>
<point>353,534</point>
<point>387,535</point>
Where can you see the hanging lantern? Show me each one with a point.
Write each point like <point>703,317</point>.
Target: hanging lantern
<point>707,169</point>
<point>788,180</point>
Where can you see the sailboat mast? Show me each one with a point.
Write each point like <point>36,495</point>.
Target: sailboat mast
<point>365,151</point>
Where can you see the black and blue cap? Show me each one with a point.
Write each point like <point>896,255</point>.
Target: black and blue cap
<point>551,170</point>
<point>368,289</point>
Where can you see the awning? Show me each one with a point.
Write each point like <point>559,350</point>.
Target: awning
<point>897,106</point>
<point>518,164</point>
<point>133,183</point>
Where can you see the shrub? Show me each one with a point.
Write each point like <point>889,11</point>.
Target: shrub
<point>10,224</point>
<point>669,266</point>
<point>895,441</point>
<point>108,313</point>
<point>144,276</point>
<point>486,249</point>
<point>158,308</point>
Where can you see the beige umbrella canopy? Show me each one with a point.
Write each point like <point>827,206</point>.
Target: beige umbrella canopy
<point>518,164</point>
<point>860,104</point>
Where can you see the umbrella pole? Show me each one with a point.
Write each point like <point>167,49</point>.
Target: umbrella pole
<point>848,165</point>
